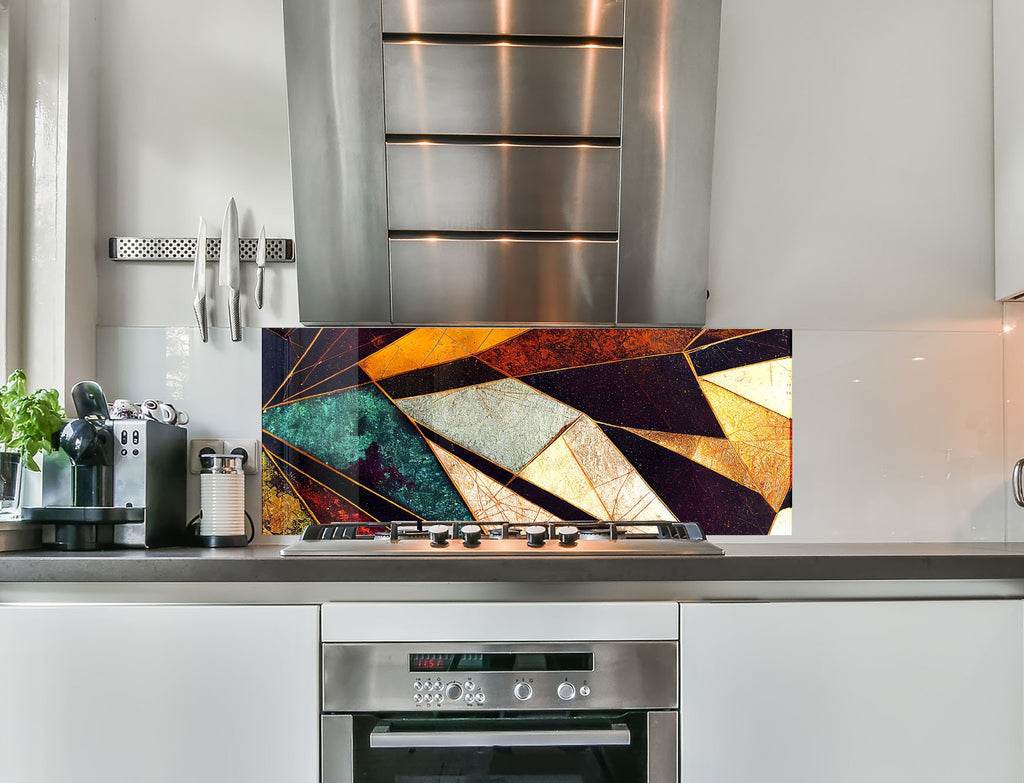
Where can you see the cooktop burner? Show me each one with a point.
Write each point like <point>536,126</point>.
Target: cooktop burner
<point>504,538</point>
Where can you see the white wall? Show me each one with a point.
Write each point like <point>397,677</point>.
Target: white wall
<point>852,202</point>
<point>193,112</point>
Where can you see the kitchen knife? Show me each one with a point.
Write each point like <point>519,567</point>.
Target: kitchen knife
<point>229,275</point>
<point>261,261</point>
<point>199,281</point>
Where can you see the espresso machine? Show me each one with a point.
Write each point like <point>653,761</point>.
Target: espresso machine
<point>112,482</point>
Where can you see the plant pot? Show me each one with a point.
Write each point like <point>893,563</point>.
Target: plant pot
<point>11,470</point>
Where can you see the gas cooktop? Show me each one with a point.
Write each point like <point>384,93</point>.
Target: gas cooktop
<point>455,539</point>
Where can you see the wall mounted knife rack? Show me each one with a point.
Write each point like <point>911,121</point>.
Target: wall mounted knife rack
<point>279,251</point>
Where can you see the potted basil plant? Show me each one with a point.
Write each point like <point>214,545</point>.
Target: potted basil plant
<point>28,423</point>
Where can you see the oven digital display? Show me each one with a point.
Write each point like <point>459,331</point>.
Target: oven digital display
<point>502,662</point>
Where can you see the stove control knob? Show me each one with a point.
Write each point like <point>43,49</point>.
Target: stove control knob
<point>471,535</point>
<point>535,535</point>
<point>453,691</point>
<point>438,535</point>
<point>568,535</point>
<point>566,691</point>
<point>522,691</point>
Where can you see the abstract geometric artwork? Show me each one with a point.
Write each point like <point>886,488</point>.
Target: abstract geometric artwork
<point>378,425</point>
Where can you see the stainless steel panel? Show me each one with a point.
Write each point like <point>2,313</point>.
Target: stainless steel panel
<point>670,75</point>
<point>502,187</point>
<point>505,17</point>
<point>663,747</point>
<point>336,747</point>
<point>409,547</point>
<point>336,121</point>
<point>513,281</point>
<point>20,535</point>
<point>502,89</point>
<point>376,677</point>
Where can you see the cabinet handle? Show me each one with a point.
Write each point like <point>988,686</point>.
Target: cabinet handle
<point>382,737</point>
<point>1018,489</point>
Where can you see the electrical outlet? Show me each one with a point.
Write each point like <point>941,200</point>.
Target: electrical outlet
<point>250,451</point>
<point>199,446</point>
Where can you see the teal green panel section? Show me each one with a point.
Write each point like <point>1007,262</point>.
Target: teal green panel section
<point>360,433</point>
<point>505,421</point>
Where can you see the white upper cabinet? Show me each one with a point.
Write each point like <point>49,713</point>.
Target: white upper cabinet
<point>1008,132</point>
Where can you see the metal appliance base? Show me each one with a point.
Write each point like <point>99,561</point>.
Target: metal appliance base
<point>220,541</point>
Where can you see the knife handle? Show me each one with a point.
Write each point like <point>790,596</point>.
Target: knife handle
<point>258,293</point>
<point>234,317</point>
<point>199,305</point>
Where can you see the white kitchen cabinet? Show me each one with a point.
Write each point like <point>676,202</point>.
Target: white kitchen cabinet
<point>852,692</point>
<point>1008,138</point>
<point>159,694</point>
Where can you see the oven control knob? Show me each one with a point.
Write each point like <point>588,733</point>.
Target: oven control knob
<point>566,691</point>
<point>522,691</point>
<point>535,535</point>
<point>453,691</point>
<point>568,535</point>
<point>438,535</point>
<point>471,535</point>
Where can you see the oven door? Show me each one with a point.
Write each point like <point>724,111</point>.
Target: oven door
<point>638,747</point>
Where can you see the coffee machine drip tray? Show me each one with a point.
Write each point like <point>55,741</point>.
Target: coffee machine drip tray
<point>83,527</point>
<point>88,515</point>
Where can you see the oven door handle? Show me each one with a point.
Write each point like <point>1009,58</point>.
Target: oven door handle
<point>383,737</point>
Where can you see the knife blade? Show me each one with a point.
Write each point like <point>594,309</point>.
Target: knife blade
<point>261,262</point>
<point>199,282</point>
<point>228,268</point>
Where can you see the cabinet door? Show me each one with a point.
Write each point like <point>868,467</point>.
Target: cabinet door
<point>883,691</point>
<point>1008,151</point>
<point>160,694</point>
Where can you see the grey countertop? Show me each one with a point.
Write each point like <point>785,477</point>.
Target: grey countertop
<point>742,563</point>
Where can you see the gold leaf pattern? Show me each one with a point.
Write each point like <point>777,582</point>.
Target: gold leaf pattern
<point>783,523</point>
<point>767,383</point>
<point>623,493</point>
<point>761,437</point>
<point>428,347</point>
<point>488,500</point>
<point>717,454</point>
<point>557,470</point>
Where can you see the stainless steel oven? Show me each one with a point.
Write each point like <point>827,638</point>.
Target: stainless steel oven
<point>519,712</point>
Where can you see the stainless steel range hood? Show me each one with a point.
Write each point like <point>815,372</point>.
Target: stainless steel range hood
<point>502,161</point>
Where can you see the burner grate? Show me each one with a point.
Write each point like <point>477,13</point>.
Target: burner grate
<point>588,530</point>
